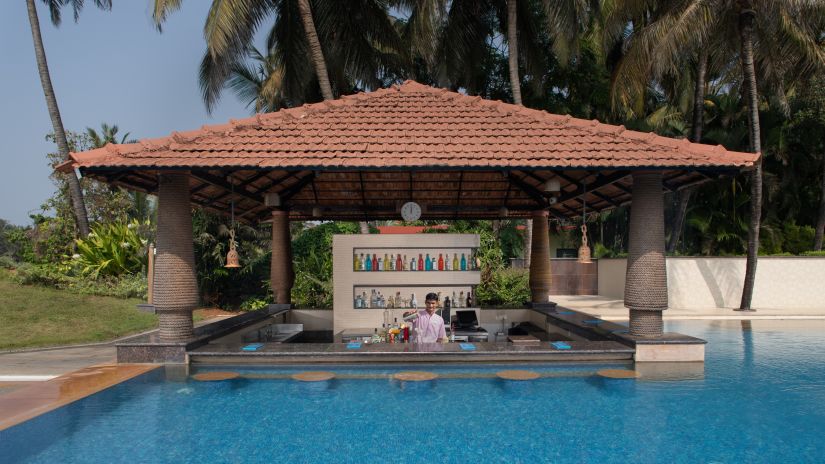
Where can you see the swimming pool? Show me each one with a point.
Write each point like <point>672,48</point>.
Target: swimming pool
<point>761,398</point>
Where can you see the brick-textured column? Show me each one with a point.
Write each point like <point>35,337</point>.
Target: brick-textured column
<point>176,286</point>
<point>282,276</point>
<point>645,292</point>
<point>540,258</point>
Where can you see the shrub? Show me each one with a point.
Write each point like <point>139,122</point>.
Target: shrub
<point>56,276</point>
<point>254,304</point>
<point>505,287</point>
<point>814,253</point>
<point>112,249</point>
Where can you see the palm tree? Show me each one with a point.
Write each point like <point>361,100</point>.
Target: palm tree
<point>787,33</point>
<point>141,205</point>
<point>76,192</point>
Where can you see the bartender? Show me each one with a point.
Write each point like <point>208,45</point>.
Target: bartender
<point>428,327</point>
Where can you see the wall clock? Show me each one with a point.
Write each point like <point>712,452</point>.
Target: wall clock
<point>410,211</point>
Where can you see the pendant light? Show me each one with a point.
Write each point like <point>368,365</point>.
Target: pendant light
<point>584,249</point>
<point>232,259</point>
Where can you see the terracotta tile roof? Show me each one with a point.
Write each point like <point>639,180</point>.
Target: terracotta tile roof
<point>412,125</point>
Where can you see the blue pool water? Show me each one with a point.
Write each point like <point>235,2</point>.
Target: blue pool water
<point>759,398</point>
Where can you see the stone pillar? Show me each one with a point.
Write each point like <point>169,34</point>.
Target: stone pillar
<point>282,276</point>
<point>645,292</point>
<point>540,258</point>
<point>176,286</point>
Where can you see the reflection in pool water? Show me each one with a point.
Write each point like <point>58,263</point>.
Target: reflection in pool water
<point>758,398</point>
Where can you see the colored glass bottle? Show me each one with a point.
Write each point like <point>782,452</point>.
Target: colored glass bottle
<point>463,262</point>
<point>428,265</point>
<point>440,262</point>
<point>455,262</point>
<point>398,263</point>
<point>375,263</point>
<point>369,263</point>
<point>386,262</point>
<point>420,262</point>
<point>356,263</point>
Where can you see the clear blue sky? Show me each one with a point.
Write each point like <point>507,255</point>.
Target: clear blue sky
<point>111,67</point>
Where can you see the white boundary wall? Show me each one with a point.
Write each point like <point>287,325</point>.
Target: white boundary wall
<point>781,282</point>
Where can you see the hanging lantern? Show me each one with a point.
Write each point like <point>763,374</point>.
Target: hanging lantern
<point>232,259</point>
<point>584,250</point>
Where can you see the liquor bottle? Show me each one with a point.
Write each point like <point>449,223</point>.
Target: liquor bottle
<point>413,302</point>
<point>440,262</point>
<point>413,264</point>
<point>358,302</point>
<point>392,262</point>
<point>455,262</point>
<point>406,264</point>
<point>463,262</point>
<point>363,263</point>
<point>469,299</point>
<point>356,263</point>
<point>398,263</point>
<point>369,263</point>
<point>364,301</point>
<point>380,266</point>
<point>461,301</point>
<point>420,262</point>
<point>447,264</point>
<point>454,300</point>
<point>375,263</point>
<point>386,262</point>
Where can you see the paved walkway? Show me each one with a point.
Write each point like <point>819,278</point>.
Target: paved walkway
<point>614,310</point>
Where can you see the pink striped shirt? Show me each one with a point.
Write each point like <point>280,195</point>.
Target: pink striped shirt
<point>428,329</point>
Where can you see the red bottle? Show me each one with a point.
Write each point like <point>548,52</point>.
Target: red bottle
<point>399,266</point>
<point>406,333</point>
<point>420,262</point>
<point>374,262</point>
<point>440,262</point>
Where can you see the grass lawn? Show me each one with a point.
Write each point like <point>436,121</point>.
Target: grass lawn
<point>33,316</point>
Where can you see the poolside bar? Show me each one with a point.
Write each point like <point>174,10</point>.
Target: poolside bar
<point>453,157</point>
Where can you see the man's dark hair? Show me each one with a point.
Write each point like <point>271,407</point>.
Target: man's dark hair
<point>431,297</point>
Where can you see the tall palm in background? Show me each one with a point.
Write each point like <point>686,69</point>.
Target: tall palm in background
<point>75,191</point>
<point>787,40</point>
<point>348,43</point>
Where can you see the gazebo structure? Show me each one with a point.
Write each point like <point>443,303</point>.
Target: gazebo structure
<point>362,156</point>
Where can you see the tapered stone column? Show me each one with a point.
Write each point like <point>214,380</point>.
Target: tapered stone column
<point>176,285</point>
<point>540,258</point>
<point>282,276</point>
<point>645,292</point>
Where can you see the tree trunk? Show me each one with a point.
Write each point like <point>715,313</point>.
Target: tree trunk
<point>820,220</point>
<point>515,86</point>
<point>746,20</point>
<point>76,193</point>
<point>512,50</point>
<point>695,137</point>
<point>316,53</point>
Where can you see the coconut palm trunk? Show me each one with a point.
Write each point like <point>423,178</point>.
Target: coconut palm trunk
<point>747,17</point>
<point>820,221</point>
<point>696,137</point>
<point>515,86</point>
<point>75,192</point>
<point>316,53</point>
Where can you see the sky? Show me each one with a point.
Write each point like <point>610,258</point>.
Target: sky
<point>110,66</point>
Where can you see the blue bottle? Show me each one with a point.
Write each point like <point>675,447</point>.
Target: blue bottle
<point>428,265</point>
<point>463,262</point>
<point>369,262</point>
